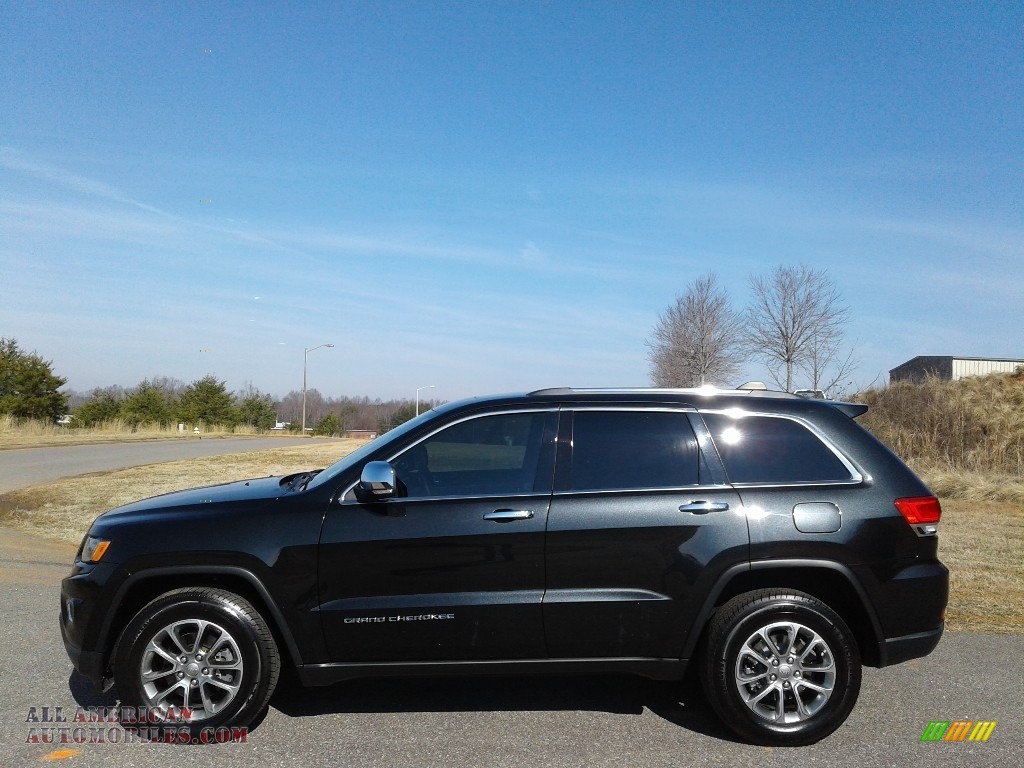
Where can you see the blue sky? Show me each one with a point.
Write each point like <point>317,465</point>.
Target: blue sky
<point>493,196</point>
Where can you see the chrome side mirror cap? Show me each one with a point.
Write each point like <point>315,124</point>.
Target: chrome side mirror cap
<point>377,482</point>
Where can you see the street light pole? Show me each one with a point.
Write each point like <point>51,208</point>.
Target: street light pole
<point>305,355</point>
<point>418,389</point>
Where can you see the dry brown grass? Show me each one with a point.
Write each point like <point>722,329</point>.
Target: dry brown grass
<point>973,425</point>
<point>63,510</point>
<point>982,544</point>
<point>964,485</point>
<point>33,433</point>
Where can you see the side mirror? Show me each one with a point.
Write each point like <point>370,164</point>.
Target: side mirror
<point>377,482</point>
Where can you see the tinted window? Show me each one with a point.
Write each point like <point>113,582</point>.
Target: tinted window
<point>482,456</point>
<point>632,449</point>
<point>761,449</point>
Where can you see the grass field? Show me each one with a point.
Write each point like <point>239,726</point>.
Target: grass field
<point>982,544</point>
<point>63,509</point>
<point>981,541</point>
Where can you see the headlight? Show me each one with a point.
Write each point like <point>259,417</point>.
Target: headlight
<point>93,549</point>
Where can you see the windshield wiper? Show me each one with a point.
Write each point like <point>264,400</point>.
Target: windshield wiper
<point>306,477</point>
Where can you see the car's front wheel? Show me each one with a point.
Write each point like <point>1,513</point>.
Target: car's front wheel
<point>196,660</point>
<point>780,667</point>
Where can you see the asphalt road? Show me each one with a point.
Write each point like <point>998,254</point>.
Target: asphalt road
<point>20,467</point>
<point>521,722</point>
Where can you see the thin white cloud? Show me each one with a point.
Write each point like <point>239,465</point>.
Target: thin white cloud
<point>531,254</point>
<point>12,160</point>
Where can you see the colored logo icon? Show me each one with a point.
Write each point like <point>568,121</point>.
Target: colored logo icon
<point>958,730</point>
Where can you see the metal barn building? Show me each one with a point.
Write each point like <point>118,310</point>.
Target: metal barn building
<point>952,368</point>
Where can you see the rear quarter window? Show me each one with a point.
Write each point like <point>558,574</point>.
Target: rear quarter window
<point>768,449</point>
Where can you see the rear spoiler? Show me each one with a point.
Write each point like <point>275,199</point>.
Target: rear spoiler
<point>853,410</point>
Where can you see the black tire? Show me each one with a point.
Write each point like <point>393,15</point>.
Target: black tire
<point>204,650</point>
<point>766,694</point>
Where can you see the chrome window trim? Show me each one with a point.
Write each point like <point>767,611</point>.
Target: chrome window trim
<point>659,407</point>
<point>659,489</point>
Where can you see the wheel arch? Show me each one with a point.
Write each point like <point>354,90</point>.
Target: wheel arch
<point>144,586</point>
<point>830,582</point>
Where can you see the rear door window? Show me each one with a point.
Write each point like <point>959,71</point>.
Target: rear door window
<point>632,450</point>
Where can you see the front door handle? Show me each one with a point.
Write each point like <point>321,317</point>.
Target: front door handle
<point>703,507</point>
<point>508,515</point>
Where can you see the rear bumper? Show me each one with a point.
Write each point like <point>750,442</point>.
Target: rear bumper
<point>910,602</point>
<point>896,650</point>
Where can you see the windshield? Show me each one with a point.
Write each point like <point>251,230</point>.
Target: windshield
<point>361,454</point>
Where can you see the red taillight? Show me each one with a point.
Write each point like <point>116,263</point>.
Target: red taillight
<point>919,509</point>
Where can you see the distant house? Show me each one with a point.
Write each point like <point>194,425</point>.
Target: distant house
<point>361,433</point>
<point>951,368</point>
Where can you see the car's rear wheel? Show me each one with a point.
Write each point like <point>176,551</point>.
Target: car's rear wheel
<point>196,660</point>
<point>780,667</point>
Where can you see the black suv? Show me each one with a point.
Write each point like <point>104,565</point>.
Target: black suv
<point>765,537</point>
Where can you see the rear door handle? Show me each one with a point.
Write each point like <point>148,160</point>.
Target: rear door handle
<point>508,515</point>
<point>703,507</point>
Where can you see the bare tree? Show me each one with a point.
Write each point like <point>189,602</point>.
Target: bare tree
<point>827,364</point>
<point>697,339</point>
<point>796,319</point>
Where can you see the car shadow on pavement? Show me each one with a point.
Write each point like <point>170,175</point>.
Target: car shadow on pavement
<point>682,704</point>
<point>88,695</point>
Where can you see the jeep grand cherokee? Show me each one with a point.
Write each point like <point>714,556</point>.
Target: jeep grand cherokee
<point>764,537</point>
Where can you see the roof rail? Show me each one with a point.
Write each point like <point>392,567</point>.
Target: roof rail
<point>750,388</point>
<point>551,391</point>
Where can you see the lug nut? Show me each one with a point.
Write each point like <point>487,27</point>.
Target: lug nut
<point>195,683</point>
<point>181,675</point>
<point>207,671</point>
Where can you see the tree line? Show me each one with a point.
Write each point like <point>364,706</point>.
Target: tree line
<point>208,401</point>
<point>794,325</point>
<point>30,389</point>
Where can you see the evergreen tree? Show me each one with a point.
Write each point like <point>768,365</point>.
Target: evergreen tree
<point>258,411</point>
<point>207,400</point>
<point>28,386</point>
<point>103,405</point>
<point>147,405</point>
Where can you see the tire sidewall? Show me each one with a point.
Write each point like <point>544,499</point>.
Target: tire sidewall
<point>172,608</point>
<point>844,653</point>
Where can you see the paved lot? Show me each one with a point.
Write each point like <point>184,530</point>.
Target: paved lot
<point>20,467</point>
<point>521,722</point>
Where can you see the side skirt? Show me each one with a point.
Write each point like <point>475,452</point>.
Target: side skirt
<point>656,669</point>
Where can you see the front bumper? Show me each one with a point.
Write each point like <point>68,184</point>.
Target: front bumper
<point>89,664</point>
<point>79,622</point>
